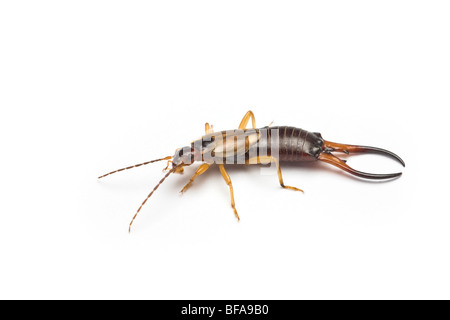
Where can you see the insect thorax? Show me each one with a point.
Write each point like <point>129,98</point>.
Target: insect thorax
<point>234,146</point>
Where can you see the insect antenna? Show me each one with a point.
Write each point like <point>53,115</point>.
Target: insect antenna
<point>136,165</point>
<point>150,194</point>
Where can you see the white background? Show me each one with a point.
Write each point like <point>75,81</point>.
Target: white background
<point>91,86</point>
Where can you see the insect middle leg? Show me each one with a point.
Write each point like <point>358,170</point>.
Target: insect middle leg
<point>270,159</point>
<point>227,179</point>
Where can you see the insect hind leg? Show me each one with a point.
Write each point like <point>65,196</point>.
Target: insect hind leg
<point>271,159</point>
<point>245,120</point>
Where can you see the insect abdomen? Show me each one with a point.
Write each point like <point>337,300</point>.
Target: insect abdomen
<point>237,146</point>
<point>295,144</point>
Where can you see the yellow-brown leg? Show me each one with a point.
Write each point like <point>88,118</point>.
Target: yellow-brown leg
<point>269,159</point>
<point>227,179</point>
<point>244,121</point>
<point>199,171</point>
<point>208,128</point>
<point>168,164</point>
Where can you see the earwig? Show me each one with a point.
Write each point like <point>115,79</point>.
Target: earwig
<point>260,146</point>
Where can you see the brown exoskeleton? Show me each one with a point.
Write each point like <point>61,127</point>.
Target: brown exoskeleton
<point>260,146</point>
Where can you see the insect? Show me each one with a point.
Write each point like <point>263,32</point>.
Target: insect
<point>267,145</point>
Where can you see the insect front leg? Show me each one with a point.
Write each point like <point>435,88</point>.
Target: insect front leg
<point>208,128</point>
<point>199,171</point>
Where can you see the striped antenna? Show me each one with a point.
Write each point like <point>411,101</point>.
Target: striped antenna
<point>154,189</point>
<point>136,165</point>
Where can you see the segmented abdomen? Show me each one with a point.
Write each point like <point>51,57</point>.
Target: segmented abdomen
<point>294,144</point>
<point>238,146</point>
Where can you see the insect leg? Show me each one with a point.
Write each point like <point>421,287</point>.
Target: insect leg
<point>208,128</point>
<point>199,171</point>
<point>244,121</point>
<point>167,166</point>
<point>269,159</point>
<point>227,179</point>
